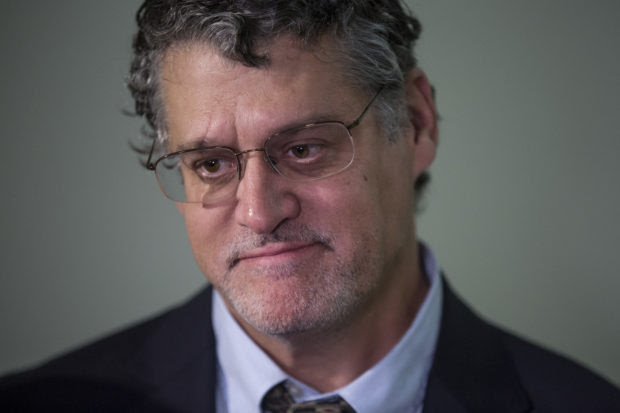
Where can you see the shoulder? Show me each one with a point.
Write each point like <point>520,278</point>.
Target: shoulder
<point>122,367</point>
<point>129,350</point>
<point>554,381</point>
<point>482,367</point>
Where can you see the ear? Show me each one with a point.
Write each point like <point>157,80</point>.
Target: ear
<point>423,117</point>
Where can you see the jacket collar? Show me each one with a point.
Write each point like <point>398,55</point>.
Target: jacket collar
<point>472,371</point>
<point>183,345</point>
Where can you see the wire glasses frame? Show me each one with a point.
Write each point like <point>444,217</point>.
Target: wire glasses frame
<point>304,153</point>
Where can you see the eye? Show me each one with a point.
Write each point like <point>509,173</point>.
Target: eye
<point>211,168</point>
<point>301,151</point>
<point>210,165</point>
<point>305,151</point>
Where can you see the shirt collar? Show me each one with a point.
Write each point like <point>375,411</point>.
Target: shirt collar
<point>245,370</point>
<point>380,388</point>
<point>397,383</point>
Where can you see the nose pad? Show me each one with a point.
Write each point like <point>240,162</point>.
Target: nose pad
<point>242,163</point>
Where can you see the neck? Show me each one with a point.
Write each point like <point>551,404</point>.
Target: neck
<point>329,359</point>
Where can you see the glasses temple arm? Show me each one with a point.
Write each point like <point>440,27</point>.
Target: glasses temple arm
<point>361,116</point>
<point>149,164</point>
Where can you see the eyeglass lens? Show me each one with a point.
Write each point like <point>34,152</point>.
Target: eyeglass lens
<point>209,175</point>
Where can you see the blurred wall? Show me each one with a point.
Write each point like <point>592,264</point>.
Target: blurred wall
<point>522,210</point>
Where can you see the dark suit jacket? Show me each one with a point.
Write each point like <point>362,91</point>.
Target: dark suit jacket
<point>167,364</point>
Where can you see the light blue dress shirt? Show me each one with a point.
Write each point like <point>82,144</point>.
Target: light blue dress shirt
<point>397,383</point>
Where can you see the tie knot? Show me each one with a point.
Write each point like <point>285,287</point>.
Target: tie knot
<point>279,400</point>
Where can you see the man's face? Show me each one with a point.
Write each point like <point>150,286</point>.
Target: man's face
<point>291,256</point>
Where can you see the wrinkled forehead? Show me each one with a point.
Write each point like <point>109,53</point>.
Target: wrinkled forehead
<point>206,94</point>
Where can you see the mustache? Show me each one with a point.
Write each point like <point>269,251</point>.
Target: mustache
<point>246,242</point>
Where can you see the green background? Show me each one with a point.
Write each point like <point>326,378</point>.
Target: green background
<point>522,212</point>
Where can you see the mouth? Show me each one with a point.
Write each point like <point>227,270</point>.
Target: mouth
<point>276,253</point>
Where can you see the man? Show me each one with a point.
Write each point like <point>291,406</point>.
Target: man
<point>295,138</point>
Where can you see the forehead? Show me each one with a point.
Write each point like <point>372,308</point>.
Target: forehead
<point>207,95</point>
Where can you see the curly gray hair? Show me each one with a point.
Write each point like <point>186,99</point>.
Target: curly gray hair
<point>374,39</point>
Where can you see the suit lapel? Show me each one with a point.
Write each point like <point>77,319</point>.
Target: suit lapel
<point>179,358</point>
<point>472,371</point>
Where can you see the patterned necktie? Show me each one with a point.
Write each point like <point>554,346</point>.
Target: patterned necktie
<point>279,400</point>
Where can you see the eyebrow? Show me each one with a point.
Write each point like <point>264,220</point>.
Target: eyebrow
<point>308,120</point>
<point>194,144</point>
<point>206,142</point>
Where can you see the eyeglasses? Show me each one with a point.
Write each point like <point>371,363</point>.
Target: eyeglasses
<point>209,175</point>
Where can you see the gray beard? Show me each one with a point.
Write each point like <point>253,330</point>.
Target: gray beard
<point>327,301</point>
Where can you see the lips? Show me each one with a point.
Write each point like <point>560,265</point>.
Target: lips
<point>275,251</point>
<point>288,243</point>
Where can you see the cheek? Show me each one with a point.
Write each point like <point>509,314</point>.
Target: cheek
<point>348,207</point>
<point>205,232</point>
<point>387,202</point>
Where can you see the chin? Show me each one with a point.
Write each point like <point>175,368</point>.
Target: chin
<point>280,311</point>
<point>286,308</point>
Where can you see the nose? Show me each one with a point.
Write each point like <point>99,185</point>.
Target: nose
<point>264,199</point>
